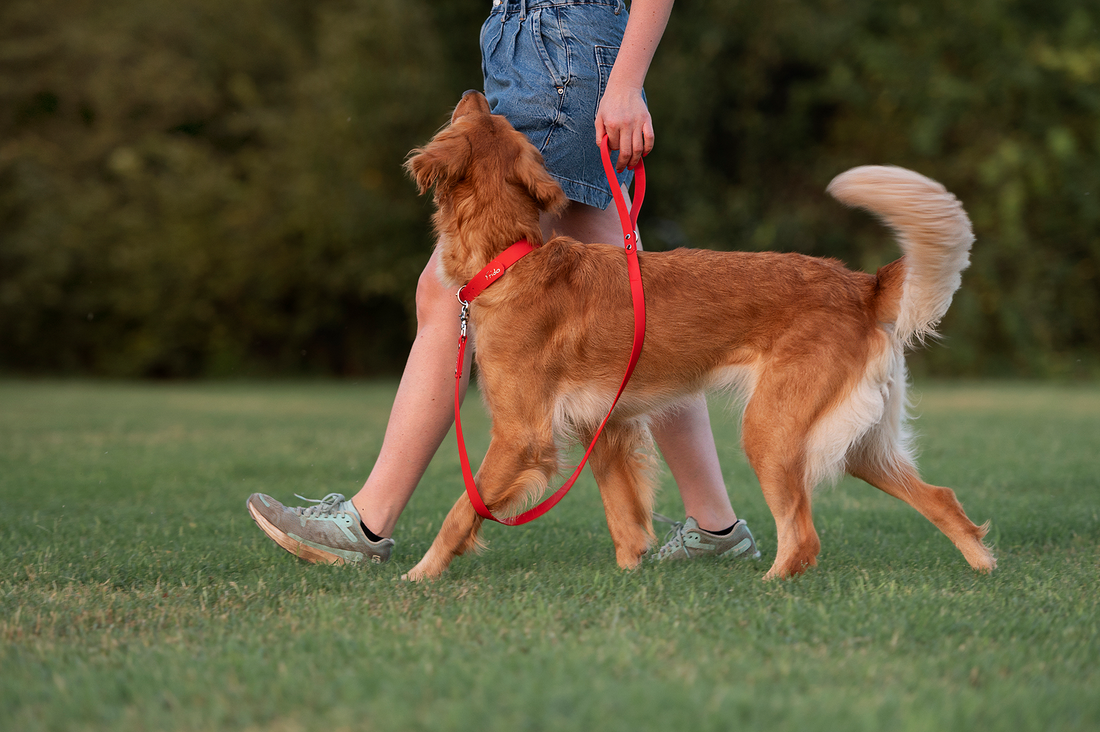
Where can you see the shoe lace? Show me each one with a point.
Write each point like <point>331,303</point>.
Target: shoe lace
<point>674,539</point>
<point>326,505</point>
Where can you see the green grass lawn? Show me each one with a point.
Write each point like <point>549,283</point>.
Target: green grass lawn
<point>136,593</point>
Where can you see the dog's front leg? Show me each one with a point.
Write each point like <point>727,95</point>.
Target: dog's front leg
<point>518,465</point>
<point>458,535</point>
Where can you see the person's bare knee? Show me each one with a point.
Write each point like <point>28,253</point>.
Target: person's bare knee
<point>435,302</point>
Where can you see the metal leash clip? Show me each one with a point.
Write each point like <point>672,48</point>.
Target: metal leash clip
<point>464,316</point>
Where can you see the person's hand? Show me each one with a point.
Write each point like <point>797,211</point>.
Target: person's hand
<point>624,117</point>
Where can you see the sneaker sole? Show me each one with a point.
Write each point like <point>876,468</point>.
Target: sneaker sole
<point>292,545</point>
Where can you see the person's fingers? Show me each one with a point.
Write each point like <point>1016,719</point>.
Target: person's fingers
<point>626,153</point>
<point>649,137</point>
<point>642,140</point>
<point>638,140</point>
<point>617,139</point>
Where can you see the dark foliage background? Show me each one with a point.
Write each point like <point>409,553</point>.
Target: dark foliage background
<point>200,188</point>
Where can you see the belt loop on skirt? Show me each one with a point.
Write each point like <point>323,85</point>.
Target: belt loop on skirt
<point>510,8</point>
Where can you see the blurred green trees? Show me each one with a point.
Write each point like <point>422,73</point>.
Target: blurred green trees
<point>202,188</point>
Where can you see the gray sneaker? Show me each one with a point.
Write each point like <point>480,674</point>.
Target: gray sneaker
<point>329,532</point>
<point>687,541</point>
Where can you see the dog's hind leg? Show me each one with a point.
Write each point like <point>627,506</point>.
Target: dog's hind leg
<point>776,450</point>
<point>622,461</point>
<point>518,465</point>
<point>898,477</point>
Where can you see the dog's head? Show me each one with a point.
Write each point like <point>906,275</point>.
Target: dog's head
<point>490,186</point>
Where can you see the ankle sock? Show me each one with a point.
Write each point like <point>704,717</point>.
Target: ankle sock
<point>725,531</point>
<point>375,537</point>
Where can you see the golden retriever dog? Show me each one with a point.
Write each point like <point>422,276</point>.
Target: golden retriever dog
<point>815,350</point>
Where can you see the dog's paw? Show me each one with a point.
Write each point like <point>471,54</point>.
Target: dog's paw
<point>983,562</point>
<point>630,559</point>
<point>977,554</point>
<point>424,571</point>
<point>415,575</point>
<point>788,569</point>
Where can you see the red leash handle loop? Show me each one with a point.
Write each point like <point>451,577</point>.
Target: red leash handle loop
<point>629,222</point>
<point>630,233</point>
<point>492,272</point>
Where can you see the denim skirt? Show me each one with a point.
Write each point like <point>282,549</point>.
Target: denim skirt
<point>546,64</point>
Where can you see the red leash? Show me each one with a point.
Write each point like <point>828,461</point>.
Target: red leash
<point>493,271</point>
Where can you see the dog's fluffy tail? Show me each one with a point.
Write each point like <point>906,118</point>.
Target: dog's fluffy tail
<point>932,229</point>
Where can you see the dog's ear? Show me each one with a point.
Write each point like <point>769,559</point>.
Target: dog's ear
<point>530,172</point>
<point>443,159</point>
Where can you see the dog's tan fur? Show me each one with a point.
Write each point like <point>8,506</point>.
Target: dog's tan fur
<point>815,349</point>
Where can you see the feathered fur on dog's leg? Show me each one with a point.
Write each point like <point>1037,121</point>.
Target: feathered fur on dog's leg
<point>623,466</point>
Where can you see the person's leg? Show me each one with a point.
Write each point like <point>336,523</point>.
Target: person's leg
<point>684,438</point>
<point>423,410</point>
<point>336,530</point>
<point>687,444</point>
